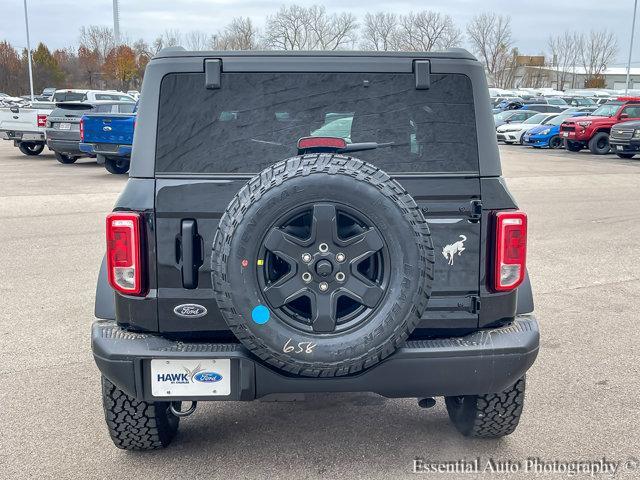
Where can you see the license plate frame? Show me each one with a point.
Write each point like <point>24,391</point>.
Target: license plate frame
<point>188,378</point>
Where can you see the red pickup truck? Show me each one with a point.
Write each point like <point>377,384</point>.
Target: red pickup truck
<point>593,131</point>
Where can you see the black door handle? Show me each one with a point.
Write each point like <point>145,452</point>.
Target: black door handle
<point>191,253</point>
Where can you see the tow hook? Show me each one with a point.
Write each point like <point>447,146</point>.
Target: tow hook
<point>427,402</point>
<point>176,409</point>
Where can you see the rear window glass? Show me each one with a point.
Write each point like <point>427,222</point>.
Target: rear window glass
<point>256,119</point>
<point>113,96</point>
<point>69,97</point>
<point>103,108</point>
<point>126,108</point>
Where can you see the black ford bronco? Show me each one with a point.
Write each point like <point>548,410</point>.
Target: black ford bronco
<point>313,222</point>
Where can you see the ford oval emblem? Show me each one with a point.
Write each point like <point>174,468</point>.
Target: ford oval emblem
<point>207,377</point>
<point>190,310</point>
<point>106,128</point>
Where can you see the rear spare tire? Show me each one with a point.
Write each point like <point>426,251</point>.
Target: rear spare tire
<point>322,265</point>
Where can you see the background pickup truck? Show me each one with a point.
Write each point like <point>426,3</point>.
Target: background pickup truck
<point>26,126</point>
<point>593,131</point>
<point>109,137</point>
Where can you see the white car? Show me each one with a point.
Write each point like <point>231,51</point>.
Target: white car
<point>512,132</point>
<point>78,95</point>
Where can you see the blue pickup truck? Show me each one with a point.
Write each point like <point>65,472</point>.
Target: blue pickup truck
<point>109,137</point>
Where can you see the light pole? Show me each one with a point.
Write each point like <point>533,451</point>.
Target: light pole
<point>116,22</point>
<point>26,22</point>
<point>633,31</point>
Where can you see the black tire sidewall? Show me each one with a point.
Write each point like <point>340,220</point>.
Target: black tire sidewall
<point>25,147</point>
<point>66,159</point>
<point>396,312</point>
<point>555,140</point>
<point>112,167</point>
<point>593,144</point>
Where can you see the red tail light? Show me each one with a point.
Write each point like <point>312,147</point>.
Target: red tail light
<point>510,250</point>
<point>321,142</point>
<point>82,130</point>
<point>42,120</point>
<point>124,252</point>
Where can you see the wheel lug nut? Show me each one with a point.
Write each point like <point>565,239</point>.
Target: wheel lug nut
<point>324,286</point>
<point>340,276</point>
<point>306,257</point>
<point>340,257</point>
<point>323,247</point>
<point>306,277</point>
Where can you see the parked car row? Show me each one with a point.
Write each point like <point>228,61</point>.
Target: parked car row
<point>59,125</point>
<point>614,125</point>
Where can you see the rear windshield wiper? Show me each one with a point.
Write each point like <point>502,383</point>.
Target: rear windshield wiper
<point>360,146</point>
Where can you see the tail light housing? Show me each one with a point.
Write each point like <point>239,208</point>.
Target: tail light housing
<point>82,130</point>
<point>124,253</point>
<point>510,250</point>
<point>42,120</point>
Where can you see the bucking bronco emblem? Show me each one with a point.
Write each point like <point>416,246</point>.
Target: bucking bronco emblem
<point>449,251</point>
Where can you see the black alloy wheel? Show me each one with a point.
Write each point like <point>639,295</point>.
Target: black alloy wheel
<point>324,268</point>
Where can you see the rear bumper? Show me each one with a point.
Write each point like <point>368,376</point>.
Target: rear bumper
<point>486,361</point>
<point>95,149</point>
<point>21,136</point>
<point>69,147</point>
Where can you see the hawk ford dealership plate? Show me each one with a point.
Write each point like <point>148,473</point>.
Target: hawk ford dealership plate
<point>190,378</point>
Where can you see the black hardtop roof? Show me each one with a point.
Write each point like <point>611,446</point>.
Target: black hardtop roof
<point>178,52</point>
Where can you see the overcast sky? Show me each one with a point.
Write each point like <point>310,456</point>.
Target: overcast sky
<point>56,22</point>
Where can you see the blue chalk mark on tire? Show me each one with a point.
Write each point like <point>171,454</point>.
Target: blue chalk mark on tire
<point>260,314</point>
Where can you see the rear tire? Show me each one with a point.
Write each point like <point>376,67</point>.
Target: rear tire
<point>117,166</point>
<point>30,148</point>
<point>626,156</point>
<point>493,415</point>
<point>599,144</point>
<point>572,146</point>
<point>137,425</point>
<point>555,142</point>
<point>66,159</point>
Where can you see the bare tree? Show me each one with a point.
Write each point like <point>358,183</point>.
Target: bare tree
<point>170,38</point>
<point>379,32</point>
<point>490,37</point>
<point>196,40</point>
<point>98,39</point>
<point>600,47</point>
<point>505,68</point>
<point>288,29</point>
<point>427,31</point>
<point>240,34</point>
<point>565,50</point>
<point>330,32</point>
<point>309,28</point>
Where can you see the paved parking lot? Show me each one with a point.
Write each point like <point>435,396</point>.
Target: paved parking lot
<point>582,396</point>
